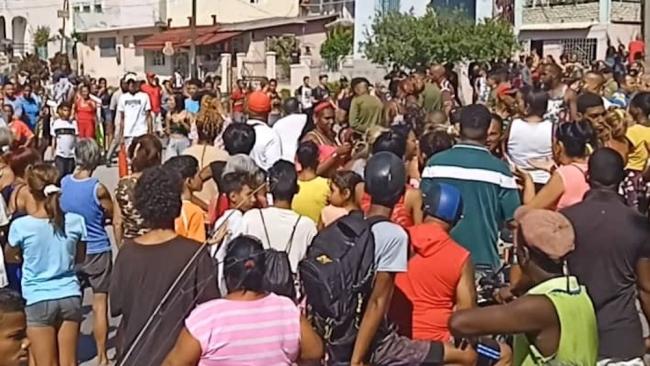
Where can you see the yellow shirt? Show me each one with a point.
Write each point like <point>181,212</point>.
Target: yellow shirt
<point>311,197</point>
<point>191,222</point>
<point>638,135</point>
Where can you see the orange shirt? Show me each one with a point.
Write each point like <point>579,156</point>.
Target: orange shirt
<point>191,222</point>
<point>425,294</point>
<point>20,131</point>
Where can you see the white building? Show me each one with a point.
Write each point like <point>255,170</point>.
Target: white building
<point>553,27</point>
<point>19,20</point>
<point>111,28</point>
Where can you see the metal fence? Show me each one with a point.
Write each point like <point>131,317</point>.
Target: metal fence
<point>539,3</point>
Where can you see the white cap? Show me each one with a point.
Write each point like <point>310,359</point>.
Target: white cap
<point>130,77</point>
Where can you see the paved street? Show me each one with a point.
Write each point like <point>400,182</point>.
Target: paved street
<point>87,352</point>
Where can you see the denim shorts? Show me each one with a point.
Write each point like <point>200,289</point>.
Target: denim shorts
<point>51,313</point>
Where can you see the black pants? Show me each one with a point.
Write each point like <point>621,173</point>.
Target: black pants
<point>65,166</point>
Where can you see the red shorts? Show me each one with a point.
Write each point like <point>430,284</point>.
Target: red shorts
<point>86,129</point>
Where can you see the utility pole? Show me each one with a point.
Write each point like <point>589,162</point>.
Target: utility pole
<point>64,14</point>
<point>193,66</point>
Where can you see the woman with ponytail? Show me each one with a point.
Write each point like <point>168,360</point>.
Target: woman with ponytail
<point>270,325</point>
<point>49,243</point>
<point>568,183</point>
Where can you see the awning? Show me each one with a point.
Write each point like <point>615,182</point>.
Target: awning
<point>181,37</point>
<point>210,39</point>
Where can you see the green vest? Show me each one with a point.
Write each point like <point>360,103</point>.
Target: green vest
<point>579,333</point>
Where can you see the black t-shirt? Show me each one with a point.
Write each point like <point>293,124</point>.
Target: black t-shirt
<point>321,93</point>
<point>141,277</point>
<point>610,239</point>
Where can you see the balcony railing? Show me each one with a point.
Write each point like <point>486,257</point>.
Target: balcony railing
<point>539,3</point>
<point>128,15</point>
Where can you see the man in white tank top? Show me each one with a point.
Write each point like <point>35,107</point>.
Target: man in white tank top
<point>562,105</point>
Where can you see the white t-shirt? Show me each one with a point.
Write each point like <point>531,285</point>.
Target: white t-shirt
<point>288,130</point>
<point>136,108</point>
<point>234,218</point>
<point>267,149</point>
<point>279,225</point>
<point>65,133</point>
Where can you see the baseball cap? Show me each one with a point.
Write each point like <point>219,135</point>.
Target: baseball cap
<point>151,75</point>
<point>130,77</point>
<point>548,231</point>
<point>259,102</point>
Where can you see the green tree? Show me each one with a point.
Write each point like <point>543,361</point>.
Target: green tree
<point>282,46</point>
<point>42,36</point>
<point>339,43</point>
<point>409,40</point>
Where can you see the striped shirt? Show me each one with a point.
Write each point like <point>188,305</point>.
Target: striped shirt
<point>489,192</point>
<point>260,332</point>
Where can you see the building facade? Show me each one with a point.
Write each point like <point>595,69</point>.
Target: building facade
<point>231,11</point>
<point>584,28</point>
<point>19,20</point>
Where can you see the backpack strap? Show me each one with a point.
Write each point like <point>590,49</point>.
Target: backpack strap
<point>293,231</point>
<point>268,240</point>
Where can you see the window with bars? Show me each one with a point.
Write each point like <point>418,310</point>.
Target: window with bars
<point>157,58</point>
<point>107,47</point>
<point>388,5</point>
<point>583,48</point>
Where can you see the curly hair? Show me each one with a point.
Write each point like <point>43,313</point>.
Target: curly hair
<point>158,197</point>
<point>209,121</point>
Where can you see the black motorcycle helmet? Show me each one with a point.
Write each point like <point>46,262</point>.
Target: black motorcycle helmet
<point>385,177</point>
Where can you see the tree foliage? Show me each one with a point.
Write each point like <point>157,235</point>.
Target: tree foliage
<point>339,43</point>
<point>408,40</point>
<point>34,66</point>
<point>42,36</point>
<point>282,46</point>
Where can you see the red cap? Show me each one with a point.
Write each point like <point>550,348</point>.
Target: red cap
<point>151,75</point>
<point>259,102</point>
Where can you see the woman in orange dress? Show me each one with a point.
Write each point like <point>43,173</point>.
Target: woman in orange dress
<point>85,112</point>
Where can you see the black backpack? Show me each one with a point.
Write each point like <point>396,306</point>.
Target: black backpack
<point>278,277</point>
<point>337,276</point>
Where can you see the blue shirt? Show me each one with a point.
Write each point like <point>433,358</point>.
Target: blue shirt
<point>80,196</point>
<point>192,106</point>
<point>48,256</point>
<point>31,108</point>
<point>16,103</point>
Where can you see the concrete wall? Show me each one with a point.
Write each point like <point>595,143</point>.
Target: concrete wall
<point>311,35</point>
<point>230,11</point>
<point>36,13</point>
<point>112,68</point>
<point>551,38</point>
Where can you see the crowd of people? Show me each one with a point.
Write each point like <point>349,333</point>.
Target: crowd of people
<point>356,225</point>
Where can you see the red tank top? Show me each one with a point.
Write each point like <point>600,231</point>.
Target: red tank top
<point>400,214</point>
<point>85,112</point>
